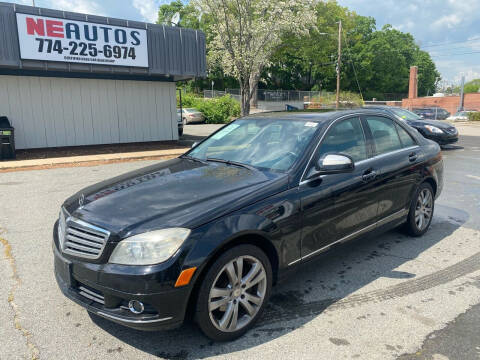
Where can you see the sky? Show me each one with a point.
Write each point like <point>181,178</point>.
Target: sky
<point>448,29</point>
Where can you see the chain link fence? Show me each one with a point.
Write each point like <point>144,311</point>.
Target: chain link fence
<point>270,95</point>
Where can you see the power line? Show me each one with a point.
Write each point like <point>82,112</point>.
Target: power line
<point>353,64</point>
<point>450,42</point>
<point>465,53</point>
<point>463,47</point>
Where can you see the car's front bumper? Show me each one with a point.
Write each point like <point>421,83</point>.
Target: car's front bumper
<point>442,139</point>
<point>166,309</point>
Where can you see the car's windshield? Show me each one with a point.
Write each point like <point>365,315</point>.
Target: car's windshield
<point>263,143</point>
<point>461,113</point>
<point>405,114</point>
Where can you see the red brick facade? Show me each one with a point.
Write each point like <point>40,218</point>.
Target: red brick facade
<point>449,103</point>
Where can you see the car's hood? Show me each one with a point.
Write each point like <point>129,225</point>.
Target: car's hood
<point>436,123</point>
<point>174,193</point>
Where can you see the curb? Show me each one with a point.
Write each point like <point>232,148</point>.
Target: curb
<point>88,160</point>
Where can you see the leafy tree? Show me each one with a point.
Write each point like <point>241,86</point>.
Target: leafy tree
<point>472,86</point>
<point>247,32</point>
<point>293,45</point>
<point>189,16</point>
<point>380,59</point>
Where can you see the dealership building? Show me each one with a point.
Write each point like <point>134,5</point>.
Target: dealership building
<point>70,79</point>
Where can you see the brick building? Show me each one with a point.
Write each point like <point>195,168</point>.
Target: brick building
<point>449,103</point>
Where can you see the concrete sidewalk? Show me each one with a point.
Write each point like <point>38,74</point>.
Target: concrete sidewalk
<point>88,160</point>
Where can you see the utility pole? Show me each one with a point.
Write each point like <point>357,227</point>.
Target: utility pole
<point>339,62</point>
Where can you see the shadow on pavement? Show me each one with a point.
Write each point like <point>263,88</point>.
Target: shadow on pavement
<point>325,284</point>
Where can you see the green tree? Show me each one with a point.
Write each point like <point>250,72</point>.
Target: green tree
<point>189,16</point>
<point>380,59</point>
<point>472,86</point>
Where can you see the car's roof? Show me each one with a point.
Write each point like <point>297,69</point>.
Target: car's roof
<point>309,116</point>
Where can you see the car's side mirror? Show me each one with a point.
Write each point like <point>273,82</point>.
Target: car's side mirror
<point>332,164</point>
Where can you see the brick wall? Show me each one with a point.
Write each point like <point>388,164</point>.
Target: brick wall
<point>449,103</point>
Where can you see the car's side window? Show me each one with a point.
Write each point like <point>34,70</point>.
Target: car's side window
<point>385,136</point>
<point>345,137</point>
<point>405,137</point>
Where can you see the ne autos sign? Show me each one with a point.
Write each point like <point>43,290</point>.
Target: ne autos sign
<point>52,39</point>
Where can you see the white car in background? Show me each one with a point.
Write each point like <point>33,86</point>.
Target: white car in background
<point>191,115</point>
<point>460,116</point>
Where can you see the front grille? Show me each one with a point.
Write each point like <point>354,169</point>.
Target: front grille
<point>451,130</point>
<point>84,240</point>
<point>92,295</point>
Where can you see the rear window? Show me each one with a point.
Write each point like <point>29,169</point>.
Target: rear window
<point>385,135</point>
<point>405,137</point>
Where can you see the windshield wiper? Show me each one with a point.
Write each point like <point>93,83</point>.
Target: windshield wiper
<point>192,158</point>
<point>230,162</point>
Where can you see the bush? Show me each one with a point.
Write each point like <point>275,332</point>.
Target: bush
<point>188,100</point>
<point>347,100</point>
<point>474,116</point>
<point>216,111</point>
<point>219,110</point>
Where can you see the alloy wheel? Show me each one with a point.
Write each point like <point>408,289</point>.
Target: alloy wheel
<point>237,293</point>
<point>423,209</point>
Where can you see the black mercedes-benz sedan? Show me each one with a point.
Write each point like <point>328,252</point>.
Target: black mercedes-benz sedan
<point>441,132</point>
<point>206,235</point>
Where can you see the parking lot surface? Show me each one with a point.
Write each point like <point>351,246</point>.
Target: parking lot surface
<point>387,297</point>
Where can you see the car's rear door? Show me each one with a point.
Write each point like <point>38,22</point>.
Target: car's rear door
<point>338,206</point>
<point>398,162</point>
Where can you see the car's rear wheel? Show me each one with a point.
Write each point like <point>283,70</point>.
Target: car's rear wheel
<point>421,211</point>
<point>234,292</point>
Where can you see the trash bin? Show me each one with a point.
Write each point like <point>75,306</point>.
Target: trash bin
<point>7,139</point>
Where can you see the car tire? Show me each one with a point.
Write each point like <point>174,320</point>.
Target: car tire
<point>421,211</point>
<point>239,304</point>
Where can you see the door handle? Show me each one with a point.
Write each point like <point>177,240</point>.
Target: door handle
<point>412,157</point>
<point>369,175</point>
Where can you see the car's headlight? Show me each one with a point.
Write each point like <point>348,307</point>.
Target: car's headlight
<point>433,129</point>
<point>149,248</point>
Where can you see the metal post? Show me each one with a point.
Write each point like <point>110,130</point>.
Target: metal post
<point>339,63</point>
<point>33,3</point>
<point>460,108</point>
<point>181,106</point>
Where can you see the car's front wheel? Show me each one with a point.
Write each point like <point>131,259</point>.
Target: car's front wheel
<point>421,210</point>
<point>234,292</point>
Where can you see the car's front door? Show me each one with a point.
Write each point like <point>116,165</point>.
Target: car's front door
<point>337,206</point>
<point>398,160</point>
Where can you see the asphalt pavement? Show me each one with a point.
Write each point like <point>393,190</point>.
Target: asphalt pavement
<point>389,297</point>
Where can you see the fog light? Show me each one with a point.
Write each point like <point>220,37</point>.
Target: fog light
<point>136,306</point>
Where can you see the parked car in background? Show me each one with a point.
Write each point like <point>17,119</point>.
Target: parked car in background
<point>206,235</point>
<point>441,132</point>
<point>433,113</point>
<point>180,122</point>
<point>460,116</point>
<point>192,115</point>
